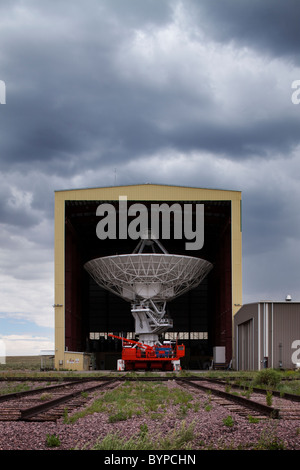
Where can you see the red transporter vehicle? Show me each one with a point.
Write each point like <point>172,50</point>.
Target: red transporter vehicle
<point>136,355</point>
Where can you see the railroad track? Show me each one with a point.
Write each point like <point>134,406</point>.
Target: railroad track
<point>288,404</point>
<point>286,407</point>
<point>49,403</point>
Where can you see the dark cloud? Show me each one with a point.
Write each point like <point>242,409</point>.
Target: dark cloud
<point>77,83</point>
<point>129,91</point>
<point>268,26</point>
<point>261,139</point>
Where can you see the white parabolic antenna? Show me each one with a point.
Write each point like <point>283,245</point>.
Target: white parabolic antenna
<point>148,281</point>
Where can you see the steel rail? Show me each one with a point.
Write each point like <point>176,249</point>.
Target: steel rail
<point>264,409</point>
<point>195,382</point>
<point>37,409</point>
<point>262,391</point>
<point>24,393</point>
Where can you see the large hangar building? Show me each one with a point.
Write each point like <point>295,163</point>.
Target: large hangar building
<point>85,313</point>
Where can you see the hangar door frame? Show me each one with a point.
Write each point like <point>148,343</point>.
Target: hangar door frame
<point>139,192</point>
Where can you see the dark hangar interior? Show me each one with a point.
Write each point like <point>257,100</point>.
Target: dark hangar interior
<point>202,317</point>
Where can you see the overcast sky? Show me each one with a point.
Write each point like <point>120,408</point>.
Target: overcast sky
<point>103,92</point>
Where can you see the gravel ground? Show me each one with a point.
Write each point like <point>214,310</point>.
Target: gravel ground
<point>209,430</point>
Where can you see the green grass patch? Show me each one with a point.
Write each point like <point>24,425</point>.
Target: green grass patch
<point>136,399</point>
<point>14,388</point>
<point>21,363</point>
<point>174,440</point>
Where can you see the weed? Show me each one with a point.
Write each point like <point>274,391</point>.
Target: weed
<point>179,438</point>
<point>66,416</point>
<point>120,416</point>
<point>196,407</point>
<point>269,398</point>
<point>269,441</point>
<point>176,440</point>
<point>228,421</point>
<point>268,378</point>
<point>143,429</point>
<point>46,396</point>
<point>183,411</point>
<point>251,419</point>
<point>52,440</point>
<point>156,416</point>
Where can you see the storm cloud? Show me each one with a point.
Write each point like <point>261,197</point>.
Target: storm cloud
<point>106,92</point>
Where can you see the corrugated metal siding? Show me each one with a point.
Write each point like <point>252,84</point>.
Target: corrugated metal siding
<point>245,331</point>
<point>286,330</point>
<point>276,326</point>
<point>246,345</point>
<point>264,338</point>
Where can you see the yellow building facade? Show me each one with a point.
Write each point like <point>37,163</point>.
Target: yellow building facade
<point>76,240</point>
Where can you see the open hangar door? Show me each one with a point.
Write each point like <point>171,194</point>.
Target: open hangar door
<point>202,317</point>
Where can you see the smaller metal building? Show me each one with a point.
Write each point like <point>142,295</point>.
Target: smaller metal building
<point>267,334</point>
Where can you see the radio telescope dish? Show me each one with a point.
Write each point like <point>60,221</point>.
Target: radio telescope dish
<point>148,281</point>
<point>155,276</point>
